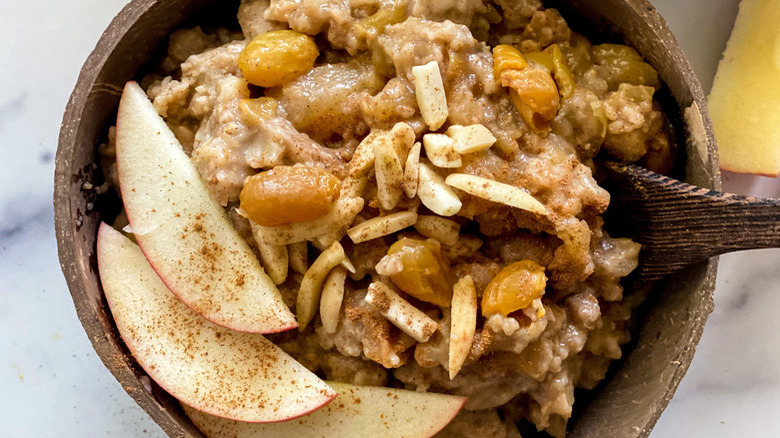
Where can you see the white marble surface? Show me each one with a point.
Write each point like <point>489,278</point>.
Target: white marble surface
<point>52,383</point>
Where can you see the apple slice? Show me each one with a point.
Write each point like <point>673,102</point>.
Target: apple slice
<point>359,411</point>
<point>187,236</point>
<point>226,373</point>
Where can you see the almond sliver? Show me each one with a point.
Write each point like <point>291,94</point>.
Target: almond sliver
<point>332,297</point>
<point>412,171</point>
<point>339,217</point>
<point>470,139</point>
<point>389,173</point>
<point>463,323</point>
<point>402,136</point>
<point>431,98</point>
<point>381,226</point>
<point>440,150</point>
<point>495,191</point>
<point>308,301</point>
<point>435,194</point>
<point>400,312</point>
<point>444,230</point>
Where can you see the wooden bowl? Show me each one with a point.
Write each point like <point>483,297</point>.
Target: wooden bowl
<point>628,404</point>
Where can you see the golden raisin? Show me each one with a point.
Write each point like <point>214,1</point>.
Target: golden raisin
<point>623,64</point>
<point>535,96</point>
<point>276,58</point>
<point>542,58</point>
<point>562,74</point>
<point>514,288</point>
<point>287,194</point>
<point>506,57</point>
<point>533,91</point>
<point>426,273</point>
<point>553,60</point>
<point>254,112</point>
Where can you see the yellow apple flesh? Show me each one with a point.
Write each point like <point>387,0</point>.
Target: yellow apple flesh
<point>358,412</point>
<point>745,98</point>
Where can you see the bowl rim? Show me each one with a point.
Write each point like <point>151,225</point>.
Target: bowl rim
<point>122,368</point>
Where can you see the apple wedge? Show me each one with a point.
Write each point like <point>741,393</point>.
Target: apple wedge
<point>359,411</point>
<point>186,236</point>
<point>226,373</point>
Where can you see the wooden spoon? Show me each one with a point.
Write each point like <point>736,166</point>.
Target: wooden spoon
<point>679,224</point>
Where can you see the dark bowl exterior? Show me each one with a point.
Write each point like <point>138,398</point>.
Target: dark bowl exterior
<point>626,406</point>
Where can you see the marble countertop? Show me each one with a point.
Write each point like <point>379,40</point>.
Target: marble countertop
<point>53,384</point>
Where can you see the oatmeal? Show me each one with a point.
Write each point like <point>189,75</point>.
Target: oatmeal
<point>417,177</point>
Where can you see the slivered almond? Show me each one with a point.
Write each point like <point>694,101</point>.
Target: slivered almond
<point>381,226</point>
<point>340,216</point>
<point>496,192</point>
<point>363,158</point>
<point>323,242</point>
<point>444,230</point>
<point>298,253</point>
<point>412,171</point>
<point>470,139</point>
<point>389,173</point>
<point>403,137</point>
<point>463,323</point>
<point>400,312</point>
<point>332,296</point>
<point>431,98</point>
<point>273,257</point>
<point>435,194</point>
<point>308,300</point>
<point>440,149</point>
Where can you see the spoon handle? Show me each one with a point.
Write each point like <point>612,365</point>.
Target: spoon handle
<point>707,223</point>
<point>679,224</point>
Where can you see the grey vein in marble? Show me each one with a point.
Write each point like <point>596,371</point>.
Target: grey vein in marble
<point>12,108</point>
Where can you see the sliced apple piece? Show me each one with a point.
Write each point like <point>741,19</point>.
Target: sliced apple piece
<point>359,411</point>
<point>745,99</point>
<point>187,236</point>
<point>226,373</point>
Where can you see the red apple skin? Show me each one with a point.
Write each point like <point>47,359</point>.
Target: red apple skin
<point>198,349</point>
<point>243,299</point>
